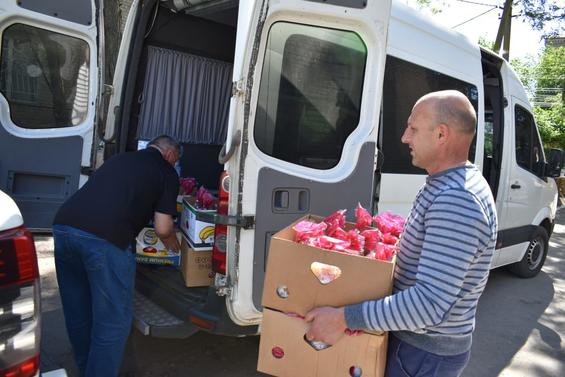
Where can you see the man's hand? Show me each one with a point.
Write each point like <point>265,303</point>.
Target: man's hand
<point>327,324</point>
<point>164,229</point>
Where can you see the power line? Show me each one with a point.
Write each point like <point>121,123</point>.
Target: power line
<point>477,16</point>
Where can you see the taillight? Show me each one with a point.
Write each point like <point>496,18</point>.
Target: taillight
<point>221,231</point>
<point>19,304</point>
<point>28,368</point>
<point>18,260</point>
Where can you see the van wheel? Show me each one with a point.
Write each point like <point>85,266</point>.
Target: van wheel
<point>533,260</point>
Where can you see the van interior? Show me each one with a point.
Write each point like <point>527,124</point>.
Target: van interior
<point>179,82</point>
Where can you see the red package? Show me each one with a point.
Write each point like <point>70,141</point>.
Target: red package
<point>329,243</point>
<point>188,185</point>
<point>337,232</point>
<point>363,217</point>
<point>335,220</point>
<point>372,236</point>
<point>388,222</point>
<point>209,201</point>
<point>357,240</point>
<point>384,251</point>
<point>389,239</point>
<point>308,229</point>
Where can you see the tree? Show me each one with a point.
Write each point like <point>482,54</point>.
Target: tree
<point>546,15</point>
<point>545,84</point>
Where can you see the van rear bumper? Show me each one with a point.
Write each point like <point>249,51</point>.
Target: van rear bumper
<point>165,307</point>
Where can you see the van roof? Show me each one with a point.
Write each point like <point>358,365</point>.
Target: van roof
<point>415,37</point>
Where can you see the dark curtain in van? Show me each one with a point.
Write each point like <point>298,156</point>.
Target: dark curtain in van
<point>185,96</point>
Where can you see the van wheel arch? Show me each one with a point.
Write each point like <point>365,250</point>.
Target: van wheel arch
<point>534,258</point>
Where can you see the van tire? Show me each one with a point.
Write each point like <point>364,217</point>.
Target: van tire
<point>535,255</point>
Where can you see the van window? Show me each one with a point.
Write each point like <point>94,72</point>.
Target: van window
<point>529,153</point>
<point>44,77</point>
<point>404,84</point>
<point>310,93</point>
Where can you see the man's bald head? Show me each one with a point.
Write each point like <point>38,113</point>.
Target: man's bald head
<point>452,108</point>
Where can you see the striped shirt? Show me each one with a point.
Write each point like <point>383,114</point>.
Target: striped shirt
<point>442,265</point>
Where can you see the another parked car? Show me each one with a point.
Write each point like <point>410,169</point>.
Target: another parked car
<point>20,313</point>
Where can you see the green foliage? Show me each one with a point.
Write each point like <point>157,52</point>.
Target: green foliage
<point>546,15</point>
<point>552,68</point>
<point>551,123</point>
<point>484,42</point>
<point>545,84</point>
<point>434,6</point>
<point>528,71</point>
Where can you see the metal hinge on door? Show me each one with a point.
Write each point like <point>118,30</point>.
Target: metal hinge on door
<point>245,222</point>
<point>222,286</point>
<point>238,88</point>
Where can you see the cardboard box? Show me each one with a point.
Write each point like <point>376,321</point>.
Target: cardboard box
<point>146,241</point>
<point>195,266</point>
<point>199,233</point>
<point>280,332</point>
<point>290,286</point>
<point>289,269</point>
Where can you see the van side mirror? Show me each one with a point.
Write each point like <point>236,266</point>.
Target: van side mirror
<point>554,163</point>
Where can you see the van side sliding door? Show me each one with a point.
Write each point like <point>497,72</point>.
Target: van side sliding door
<point>48,82</point>
<point>310,130</point>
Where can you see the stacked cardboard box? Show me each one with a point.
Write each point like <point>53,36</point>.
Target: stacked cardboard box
<point>199,233</point>
<point>195,265</point>
<point>291,287</point>
<point>150,250</point>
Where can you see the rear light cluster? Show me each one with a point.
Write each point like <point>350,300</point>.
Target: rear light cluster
<point>221,231</point>
<point>19,304</point>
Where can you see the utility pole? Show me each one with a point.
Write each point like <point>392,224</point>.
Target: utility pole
<point>504,31</point>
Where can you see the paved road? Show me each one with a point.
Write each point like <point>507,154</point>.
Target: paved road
<point>520,330</point>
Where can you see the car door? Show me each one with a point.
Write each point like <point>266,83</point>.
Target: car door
<point>307,95</point>
<point>48,87</point>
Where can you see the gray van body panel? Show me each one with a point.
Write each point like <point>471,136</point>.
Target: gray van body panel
<point>273,214</point>
<point>79,11</point>
<point>41,175</point>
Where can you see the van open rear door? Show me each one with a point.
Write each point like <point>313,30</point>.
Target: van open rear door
<point>48,87</point>
<point>307,94</point>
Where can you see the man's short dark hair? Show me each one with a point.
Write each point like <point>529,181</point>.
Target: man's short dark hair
<point>165,142</point>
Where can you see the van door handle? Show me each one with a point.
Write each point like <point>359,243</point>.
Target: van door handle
<point>224,156</point>
<point>515,186</point>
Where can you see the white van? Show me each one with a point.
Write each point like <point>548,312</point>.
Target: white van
<point>304,101</point>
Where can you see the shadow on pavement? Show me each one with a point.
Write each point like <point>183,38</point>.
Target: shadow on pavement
<point>511,310</point>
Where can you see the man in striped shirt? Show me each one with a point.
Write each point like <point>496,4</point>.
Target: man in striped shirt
<point>444,255</point>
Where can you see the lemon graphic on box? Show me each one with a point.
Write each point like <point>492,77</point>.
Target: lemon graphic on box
<point>149,237</point>
<point>206,232</point>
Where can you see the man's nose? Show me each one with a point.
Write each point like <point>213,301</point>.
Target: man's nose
<point>404,137</point>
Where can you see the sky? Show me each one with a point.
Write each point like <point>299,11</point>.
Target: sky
<point>523,41</point>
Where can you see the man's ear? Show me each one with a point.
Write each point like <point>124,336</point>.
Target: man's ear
<point>170,156</point>
<point>443,133</point>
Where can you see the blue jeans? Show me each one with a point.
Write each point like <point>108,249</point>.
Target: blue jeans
<point>96,282</point>
<point>404,360</point>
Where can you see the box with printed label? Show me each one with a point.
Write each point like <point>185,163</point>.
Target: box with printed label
<point>299,278</point>
<point>150,250</point>
<point>195,265</point>
<point>199,233</point>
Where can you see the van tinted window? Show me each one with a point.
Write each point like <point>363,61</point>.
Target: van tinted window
<point>44,77</point>
<point>404,84</point>
<point>529,153</point>
<point>310,93</point>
